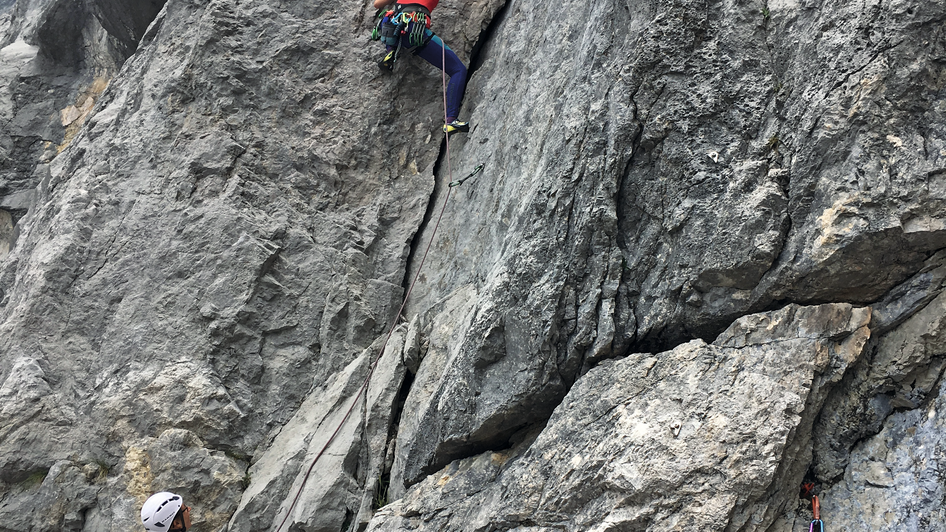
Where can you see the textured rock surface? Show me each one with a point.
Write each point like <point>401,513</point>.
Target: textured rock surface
<point>904,366</point>
<point>183,268</point>
<point>689,439</point>
<point>56,57</point>
<point>895,479</point>
<point>210,212</point>
<point>696,175</point>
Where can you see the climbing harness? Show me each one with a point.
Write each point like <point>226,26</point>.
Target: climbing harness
<point>817,525</point>
<point>400,311</point>
<point>415,25</point>
<point>411,20</point>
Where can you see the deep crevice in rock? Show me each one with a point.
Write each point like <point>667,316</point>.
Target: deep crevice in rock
<point>65,34</point>
<point>485,37</point>
<point>384,480</point>
<point>517,439</point>
<point>475,62</point>
<point>60,36</point>
<point>126,20</point>
<point>417,241</point>
<point>868,401</point>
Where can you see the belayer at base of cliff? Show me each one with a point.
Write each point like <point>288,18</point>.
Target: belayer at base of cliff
<point>166,512</point>
<point>406,26</point>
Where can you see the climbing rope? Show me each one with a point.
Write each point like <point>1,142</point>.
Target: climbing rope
<point>446,134</point>
<point>377,358</point>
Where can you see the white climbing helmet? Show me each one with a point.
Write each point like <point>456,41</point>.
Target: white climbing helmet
<point>159,510</point>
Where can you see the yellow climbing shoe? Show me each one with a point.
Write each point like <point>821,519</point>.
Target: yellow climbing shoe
<point>388,62</point>
<point>456,127</point>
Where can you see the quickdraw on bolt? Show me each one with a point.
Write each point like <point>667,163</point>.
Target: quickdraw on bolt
<point>807,492</point>
<point>817,525</point>
<point>460,181</point>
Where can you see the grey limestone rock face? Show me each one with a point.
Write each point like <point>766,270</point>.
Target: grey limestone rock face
<point>210,213</point>
<point>201,260</point>
<point>56,58</point>
<point>329,460</point>
<point>666,168</point>
<point>902,371</point>
<point>799,178</point>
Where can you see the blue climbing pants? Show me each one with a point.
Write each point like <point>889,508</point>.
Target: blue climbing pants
<point>441,56</point>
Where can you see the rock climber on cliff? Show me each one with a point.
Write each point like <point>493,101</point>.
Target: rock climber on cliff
<point>165,512</point>
<point>406,26</point>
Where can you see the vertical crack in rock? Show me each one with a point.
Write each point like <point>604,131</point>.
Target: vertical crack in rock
<point>417,244</point>
<point>552,232</point>
<point>486,36</point>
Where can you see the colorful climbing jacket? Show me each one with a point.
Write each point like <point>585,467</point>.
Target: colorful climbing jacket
<point>429,5</point>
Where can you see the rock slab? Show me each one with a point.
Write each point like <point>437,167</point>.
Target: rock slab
<point>690,439</point>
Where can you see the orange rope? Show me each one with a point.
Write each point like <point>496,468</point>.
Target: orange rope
<point>446,134</point>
